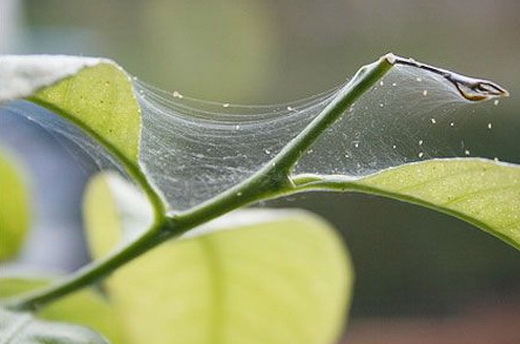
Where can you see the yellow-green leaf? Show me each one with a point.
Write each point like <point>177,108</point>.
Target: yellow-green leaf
<point>95,94</point>
<point>14,209</point>
<point>255,276</point>
<point>99,99</point>
<point>482,192</point>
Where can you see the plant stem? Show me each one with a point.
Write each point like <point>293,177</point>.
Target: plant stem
<point>362,81</point>
<point>274,178</point>
<point>85,276</point>
<point>270,181</point>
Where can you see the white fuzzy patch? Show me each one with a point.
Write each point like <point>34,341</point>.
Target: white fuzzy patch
<point>23,75</point>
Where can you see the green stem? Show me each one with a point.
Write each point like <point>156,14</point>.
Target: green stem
<point>362,81</point>
<point>270,181</point>
<point>85,276</point>
<point>274,178</point>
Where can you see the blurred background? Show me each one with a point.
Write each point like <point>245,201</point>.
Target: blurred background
<point>420,275</point>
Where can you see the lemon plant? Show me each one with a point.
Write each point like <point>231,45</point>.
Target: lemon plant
<point>180,260</point>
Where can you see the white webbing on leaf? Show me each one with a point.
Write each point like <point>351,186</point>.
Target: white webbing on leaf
<point>23,75</point>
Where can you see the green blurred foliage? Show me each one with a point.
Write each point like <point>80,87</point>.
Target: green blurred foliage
<point>14,208</point>
<point>215,49</point>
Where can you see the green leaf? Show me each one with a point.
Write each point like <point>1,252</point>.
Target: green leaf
<point>99,99</point>
<point>95,94</point>
<point>14,209</point>
<point>261,276</point>
<point>23,328</point>
<point>85,307</point>
<point>482,192</point>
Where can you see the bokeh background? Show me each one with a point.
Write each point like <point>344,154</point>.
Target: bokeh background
<point>421,276</point>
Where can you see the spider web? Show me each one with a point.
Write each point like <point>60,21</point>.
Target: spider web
<point>193,150</point>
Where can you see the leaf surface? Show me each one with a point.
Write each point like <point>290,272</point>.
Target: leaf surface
<point>99,99</point>
<point>261,276</point>
<point>14,209</point>
<point>482,192</point>
<point>95,94</point>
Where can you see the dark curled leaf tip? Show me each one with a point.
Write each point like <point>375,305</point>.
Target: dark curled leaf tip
<point>475,89</point>
<point>469,88</point>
